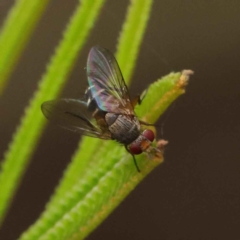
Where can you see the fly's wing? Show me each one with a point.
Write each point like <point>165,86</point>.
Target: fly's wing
<point>106,82</point>
<point>73,115</point>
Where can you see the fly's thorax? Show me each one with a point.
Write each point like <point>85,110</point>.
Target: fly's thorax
<point>124,128</point>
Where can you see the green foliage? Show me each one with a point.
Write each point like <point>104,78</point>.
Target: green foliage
<point>107,181</point>
<point>32,123</point>
<point>98,178</point>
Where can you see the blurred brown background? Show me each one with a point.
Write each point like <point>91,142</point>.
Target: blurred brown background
<point>195,193</point>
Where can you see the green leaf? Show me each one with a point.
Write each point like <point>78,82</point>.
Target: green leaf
<point>112,177</point>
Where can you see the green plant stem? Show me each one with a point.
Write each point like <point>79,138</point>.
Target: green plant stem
<point>132,35</point>
<point>28,133</point>
<point>16,32</point>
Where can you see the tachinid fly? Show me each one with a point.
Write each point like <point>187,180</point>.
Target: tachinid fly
<point>106,111</point>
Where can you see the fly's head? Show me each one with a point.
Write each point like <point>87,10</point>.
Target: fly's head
<point>143,143</point>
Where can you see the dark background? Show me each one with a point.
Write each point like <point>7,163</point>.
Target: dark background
<point>195,193</point>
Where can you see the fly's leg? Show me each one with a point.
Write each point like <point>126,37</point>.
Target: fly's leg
<point>138,99</point>
<point>146,124</point>
<point>134,159</point>
<point>135,162</point>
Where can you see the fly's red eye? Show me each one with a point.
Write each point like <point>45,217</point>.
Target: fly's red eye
<point>135,148</point>
<point>148,134</point>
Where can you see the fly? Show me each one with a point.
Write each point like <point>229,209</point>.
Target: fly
<point>106,111</point>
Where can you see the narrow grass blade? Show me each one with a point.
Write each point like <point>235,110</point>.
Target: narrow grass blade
<point>132,35</point>
<point>28,133</point>
<point>16,32</point>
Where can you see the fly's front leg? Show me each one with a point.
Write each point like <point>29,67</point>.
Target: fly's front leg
<point>138,99</point>
<point>146,124</point>
<point>134,159</point>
